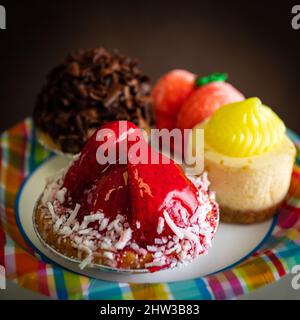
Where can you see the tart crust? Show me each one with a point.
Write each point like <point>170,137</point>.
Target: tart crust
<point>129,259</point>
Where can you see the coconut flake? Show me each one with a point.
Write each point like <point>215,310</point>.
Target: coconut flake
<point>93,217</point>
<point>113,224</point>
<point>155,263</point>
<point>182,255</point>
<point>124,238</point>
<point>89,244</point>
<point>172,225</point>
<point>160,225</point>
<point>78,240</point>
<point>143,252</point>
<point>158,241</point>
<point>85,262</point>
<point>172,249</point>
<point>200,213</point>
<point>60,195</point>
<point>65,231</point>
<point>164,240</point>
<point>194,238</point>
<point>184,215</point>
<point>170,244</point>
<point>57,224</point>
<point>158,254</point>
<point>152,248</point>
<point>73,215</point>
<point>106,246</point>
<point>104,224</point>
<point>75,227</point>
<point>85,231</point>
<point>88,258</point>
<point>109,255</point>
<point>134,246</point>
<point>51,210</point>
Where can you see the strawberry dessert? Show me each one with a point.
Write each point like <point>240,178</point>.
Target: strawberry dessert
<point>127,214</point>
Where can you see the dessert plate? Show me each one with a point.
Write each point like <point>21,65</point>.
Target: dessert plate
<point>232,244</point>
<point>22,158</point>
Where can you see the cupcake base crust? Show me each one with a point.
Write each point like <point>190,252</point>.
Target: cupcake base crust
<point>246,216</point>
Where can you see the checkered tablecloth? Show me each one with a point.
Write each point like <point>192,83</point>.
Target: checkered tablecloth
<point>20,154</point>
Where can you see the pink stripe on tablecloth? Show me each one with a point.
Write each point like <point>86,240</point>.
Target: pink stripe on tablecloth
<point>10,263</point>
<point>2,246</point>
<point>234,282</point>
<point>24,153</point>
<point>217,288</point>
<point>288,216</point>
<point>42,278</point>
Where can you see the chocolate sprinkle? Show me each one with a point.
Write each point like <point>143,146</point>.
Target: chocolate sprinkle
<point>90,88</point>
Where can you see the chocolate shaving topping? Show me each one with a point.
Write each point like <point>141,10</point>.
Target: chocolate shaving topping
<point>90,88</point>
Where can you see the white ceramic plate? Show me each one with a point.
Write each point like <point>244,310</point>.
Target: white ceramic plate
<point>232,244</point>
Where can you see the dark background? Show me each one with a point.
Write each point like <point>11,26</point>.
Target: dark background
<point>253,42</point>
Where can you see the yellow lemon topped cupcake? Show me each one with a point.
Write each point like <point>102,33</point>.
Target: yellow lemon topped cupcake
<point>249,159</point>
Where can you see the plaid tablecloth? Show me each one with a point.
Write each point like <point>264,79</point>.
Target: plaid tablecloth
<point>20,154</point>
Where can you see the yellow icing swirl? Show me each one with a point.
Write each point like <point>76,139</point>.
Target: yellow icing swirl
<point>244,129</point>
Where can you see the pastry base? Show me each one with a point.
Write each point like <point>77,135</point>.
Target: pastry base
<point>127,260</point>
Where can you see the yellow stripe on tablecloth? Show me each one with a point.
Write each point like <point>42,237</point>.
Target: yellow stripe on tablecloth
<point>85,284</point>
<point>152,291</point>
<point>51,282</point>
<point>256,273</point>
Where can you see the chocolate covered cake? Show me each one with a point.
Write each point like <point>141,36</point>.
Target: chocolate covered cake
<point>90,88</point>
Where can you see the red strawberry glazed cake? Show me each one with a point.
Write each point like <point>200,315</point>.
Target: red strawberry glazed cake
<point>126,216</point>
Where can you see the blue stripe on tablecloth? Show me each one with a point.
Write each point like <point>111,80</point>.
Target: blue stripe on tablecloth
<point>60,283</point>
<point>190,289</point>
<point>102,290</point>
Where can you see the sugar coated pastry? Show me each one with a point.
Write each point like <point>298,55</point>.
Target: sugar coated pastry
<point>126,216</point>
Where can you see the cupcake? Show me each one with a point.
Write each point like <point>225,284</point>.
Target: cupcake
<point>249,159</point>
<point>126,216</point>
<point>90,88</point>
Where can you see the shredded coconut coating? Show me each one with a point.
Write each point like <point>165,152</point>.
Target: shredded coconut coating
<point>111,238</point>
